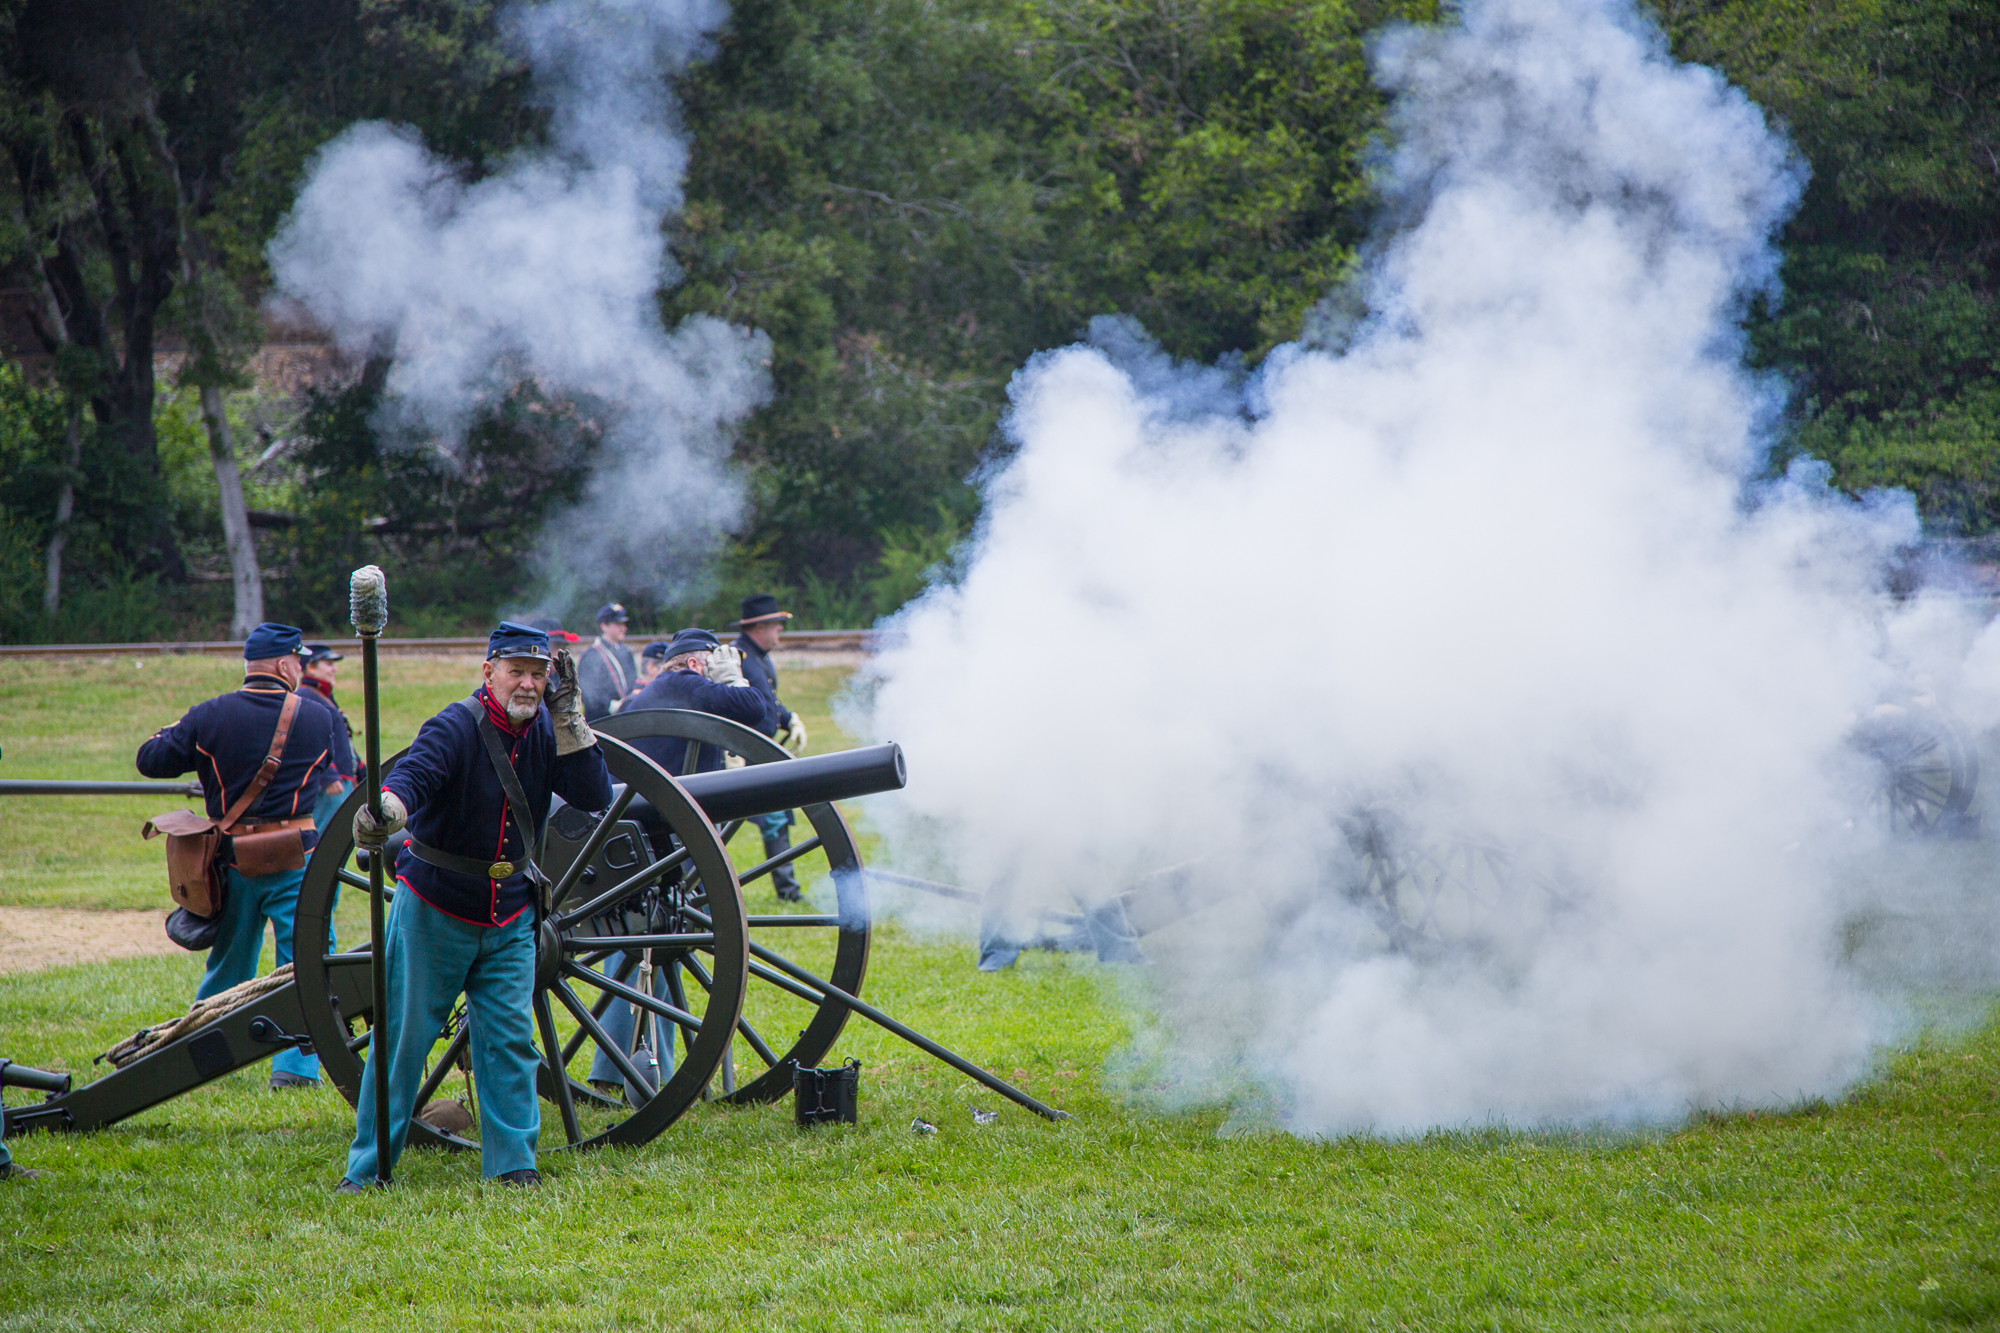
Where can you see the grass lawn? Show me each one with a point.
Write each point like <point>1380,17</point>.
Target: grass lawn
<point>214,1211</point>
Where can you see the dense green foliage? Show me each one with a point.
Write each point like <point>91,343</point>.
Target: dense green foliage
<point>1890,327</point>
<point>911,198</point>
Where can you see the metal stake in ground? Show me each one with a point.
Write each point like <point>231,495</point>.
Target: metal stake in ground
<point>368,605</point>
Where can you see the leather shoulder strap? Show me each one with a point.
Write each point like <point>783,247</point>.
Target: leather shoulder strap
<point>269,768</point>
<point>510,782</point>
<point>617,668</point>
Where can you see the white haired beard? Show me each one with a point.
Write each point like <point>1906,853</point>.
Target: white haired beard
<point>520,713</point>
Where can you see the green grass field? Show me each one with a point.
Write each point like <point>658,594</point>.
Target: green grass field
<point>213,1211</point>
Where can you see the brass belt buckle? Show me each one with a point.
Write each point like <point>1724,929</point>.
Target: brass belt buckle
<point>500,869</point>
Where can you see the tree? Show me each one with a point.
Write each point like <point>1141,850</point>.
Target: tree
<point>912,198</point>
<point>94,209</point>
<point>1890,325</point>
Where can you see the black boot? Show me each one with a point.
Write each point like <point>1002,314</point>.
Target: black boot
<point>784,879</point>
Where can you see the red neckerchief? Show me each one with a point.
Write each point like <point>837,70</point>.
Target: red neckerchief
<point>499,714</point>
<point>324,687</point>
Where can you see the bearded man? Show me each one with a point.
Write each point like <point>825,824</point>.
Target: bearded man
<point>474,791</point>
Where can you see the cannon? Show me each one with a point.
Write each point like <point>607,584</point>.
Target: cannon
<point>647,910</point>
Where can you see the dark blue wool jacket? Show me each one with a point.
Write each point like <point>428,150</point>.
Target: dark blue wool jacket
<point>344,762</point>
<point>685,689</point>
<point>224,741</point>
<point>760,671</point>
<point>457,805</point>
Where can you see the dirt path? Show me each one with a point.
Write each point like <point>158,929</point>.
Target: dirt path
<point>37,937</point>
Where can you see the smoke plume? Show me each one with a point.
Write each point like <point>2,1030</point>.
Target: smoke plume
<point>546,271</point>
<point>1480,589</point>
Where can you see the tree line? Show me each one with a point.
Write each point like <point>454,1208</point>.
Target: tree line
<point>910,197</point>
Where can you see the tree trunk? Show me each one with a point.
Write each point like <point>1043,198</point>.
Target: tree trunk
<point>65,506</point>
<point>243,571</point>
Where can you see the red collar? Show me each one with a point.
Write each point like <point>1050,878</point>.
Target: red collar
<point>322,686</point>
<point>499,714</point>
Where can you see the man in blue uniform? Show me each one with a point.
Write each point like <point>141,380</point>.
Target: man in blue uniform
<point>461,921</point>
<point>605,669</point>
<point>702,675</point>
<point>651,663</point>
<point>224,742</point>
<point>762,625</point>
<point>319,666</point>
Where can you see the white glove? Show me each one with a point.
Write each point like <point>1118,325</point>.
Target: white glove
<point>793,737</point>
<point>725,666</point>
<point>370,834</point>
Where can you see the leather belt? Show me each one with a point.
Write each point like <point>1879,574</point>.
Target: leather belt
<point>464,865</point>
<point>244,830</point>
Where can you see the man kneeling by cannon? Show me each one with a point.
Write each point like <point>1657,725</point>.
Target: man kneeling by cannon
<point>474,792</point>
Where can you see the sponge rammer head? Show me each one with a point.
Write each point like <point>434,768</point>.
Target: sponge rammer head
<point>368,599</point>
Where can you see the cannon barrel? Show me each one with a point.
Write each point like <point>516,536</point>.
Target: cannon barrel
<point>23,1076</point>
<point>63,787</point>
<point>757,789</point>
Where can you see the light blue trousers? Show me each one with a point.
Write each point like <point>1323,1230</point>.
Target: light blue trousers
<point>617,1022</point>
<point>329,802</point>
<point>233,958</point>
<point>432,959</point>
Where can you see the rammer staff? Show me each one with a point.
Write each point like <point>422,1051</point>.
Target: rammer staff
<point>368,605</point>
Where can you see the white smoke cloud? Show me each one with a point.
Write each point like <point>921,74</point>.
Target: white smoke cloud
<point>547,270</point>
<point>1495,573</point>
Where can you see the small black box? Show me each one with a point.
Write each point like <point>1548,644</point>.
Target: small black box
<point>826,1096</point>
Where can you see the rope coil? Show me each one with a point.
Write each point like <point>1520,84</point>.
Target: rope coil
<point>147,1040</point>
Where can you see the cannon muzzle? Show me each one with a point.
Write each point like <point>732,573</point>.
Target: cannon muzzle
<point>22,1076</point>
<point>757,789</point>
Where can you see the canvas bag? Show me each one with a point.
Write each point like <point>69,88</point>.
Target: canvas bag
<point>194,842</point>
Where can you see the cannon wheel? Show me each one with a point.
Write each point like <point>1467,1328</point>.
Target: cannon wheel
<point>1434,892</point>
<point>701,904</point>
<point>1927,768</point>
<point>850,923</point>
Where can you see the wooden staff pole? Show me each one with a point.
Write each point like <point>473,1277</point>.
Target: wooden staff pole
<point>368,595</point>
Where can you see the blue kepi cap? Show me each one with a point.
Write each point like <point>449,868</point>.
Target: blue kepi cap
<point>693,641</point>
<point>512,640</point>
<point>270,640</point>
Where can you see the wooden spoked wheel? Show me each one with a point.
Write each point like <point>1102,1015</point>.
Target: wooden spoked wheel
<point>668,897</point>
<point>785,1024</point>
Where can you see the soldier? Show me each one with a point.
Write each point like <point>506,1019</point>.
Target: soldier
<point>651,663</point>
<point>700,674</point>
<point>605,669</point>
<point>460,921</point>
<point>319,665</point>
<point>225,741</point>
<point>762,624</point>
